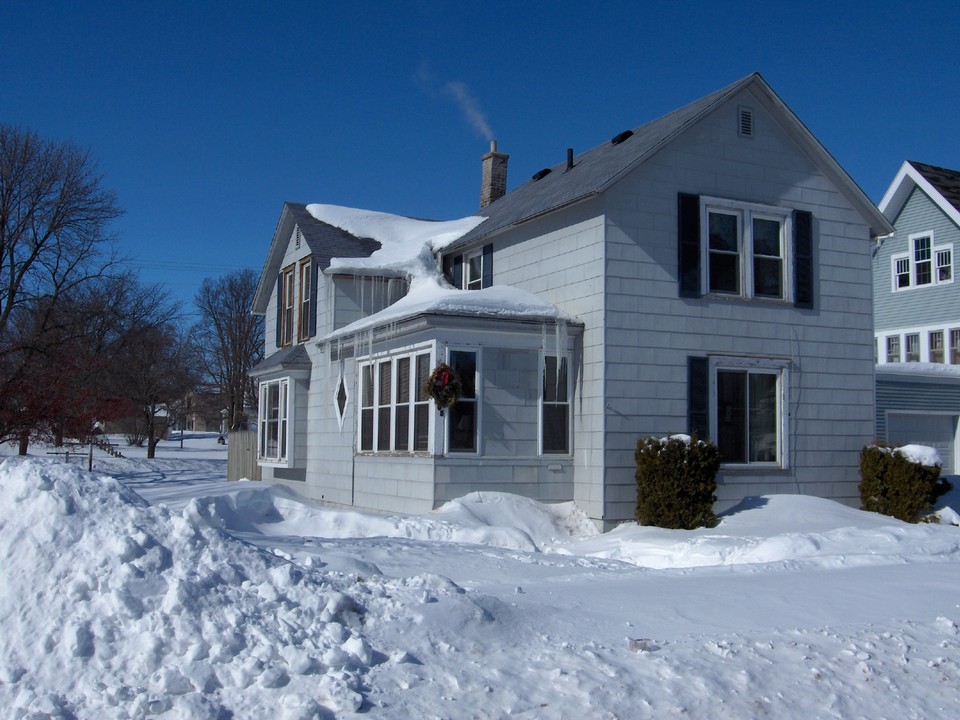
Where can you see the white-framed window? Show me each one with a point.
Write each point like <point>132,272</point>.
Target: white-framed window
<point>912,342</point>
<point>303,326</point>
<point>395,412</point>
<point>924,264</point>
<point>746,249</point>
<point>473,271</point>
<point>893,348</point>
<point>935,340</point>
<point>274,414</point>
<point>748,417</point>
<point>287,306</point>
<point>555,407</point>
<point>463,418</point>
<point>955,346</point>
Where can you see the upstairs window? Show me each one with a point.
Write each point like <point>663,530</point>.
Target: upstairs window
<point>893,348</point>
<point>304,330</point>
<point>925,263</point>
<point>936,346</point>
<point>286,306</point>
<point>470,271</point>
<point>746,250</point>
<point>913,347</point>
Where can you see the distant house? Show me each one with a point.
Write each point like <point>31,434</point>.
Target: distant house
<point>917,311</point>
<point>707,272</point>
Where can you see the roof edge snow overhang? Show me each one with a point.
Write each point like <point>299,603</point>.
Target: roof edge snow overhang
<point>345,345</point>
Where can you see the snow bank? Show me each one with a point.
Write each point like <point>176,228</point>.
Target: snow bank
<point>129,610</point>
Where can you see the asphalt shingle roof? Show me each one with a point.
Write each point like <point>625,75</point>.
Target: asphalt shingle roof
<point>326,241</point>
<point>947,182</point>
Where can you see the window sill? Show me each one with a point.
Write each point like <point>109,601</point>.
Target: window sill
<point>754,467</point>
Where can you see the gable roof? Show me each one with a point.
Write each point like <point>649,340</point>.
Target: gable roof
<point>324,241</point>
<point>597,169</point>
<point>941,185</point>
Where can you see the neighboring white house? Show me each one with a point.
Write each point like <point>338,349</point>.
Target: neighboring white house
<point>917,311</point>
<point>709,271</point>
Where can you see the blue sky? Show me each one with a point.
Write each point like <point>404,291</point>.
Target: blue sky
<point>206,116</point>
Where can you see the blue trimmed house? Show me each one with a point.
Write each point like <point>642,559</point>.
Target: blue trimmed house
<point>917,311</point>
<point>707,272</point>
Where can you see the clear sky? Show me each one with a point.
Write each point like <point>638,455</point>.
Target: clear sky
<point>206,116</point>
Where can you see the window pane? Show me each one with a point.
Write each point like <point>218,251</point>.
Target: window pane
<point>731,415</point>
<point>474,272</point>
<point>464,363</point>
<point>766,237</point>
<point>955,346</point>
<point>383,428</point>
<point>403,380</point>
<point>421,428</point>
<point>463,424</point>
<point>385,387</point>
<point>555,428</point>
<point>367,371</point>
<point>366,429</point>
<point>723,232</point>
<point>767,277</point>
<point>924,273</point>
<point>402,427</point>
<point>893,349</point>
<point>763,418</point>
<point>936,346</point>
<point>724,273</point>
<point>944,265</point>
<point>913,348</point>
<point>423,374</point>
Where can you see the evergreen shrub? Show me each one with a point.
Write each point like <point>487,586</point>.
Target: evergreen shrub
<point>892,484</point>
<point>676,482</point>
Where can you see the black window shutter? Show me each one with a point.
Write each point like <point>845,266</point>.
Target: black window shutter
<point>314,277</point>
<point>803,258</point>
<point>487,279</point>
<point>457,277</point>
<point>688,224</point>
<point>698,397</point>
<point>447,264</point>
<point>279,307</point>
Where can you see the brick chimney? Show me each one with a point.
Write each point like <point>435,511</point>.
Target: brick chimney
<point>493,182</point>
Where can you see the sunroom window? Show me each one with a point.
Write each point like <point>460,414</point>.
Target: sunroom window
<point>462,417</point>
<point>394,408</point>
<point>274,412</point>
<point>555,410</point>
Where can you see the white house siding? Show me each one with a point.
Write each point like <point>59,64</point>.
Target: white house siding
<point>560,257</point>
<point>918,306</point>
<point>651,331</point>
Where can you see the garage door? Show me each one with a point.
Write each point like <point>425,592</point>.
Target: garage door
<point>936,431</point>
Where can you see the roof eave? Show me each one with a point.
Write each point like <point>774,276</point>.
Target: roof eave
<point>898,193</point>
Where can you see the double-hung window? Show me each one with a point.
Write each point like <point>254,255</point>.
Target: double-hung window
<point>935,340</point>
<point>274,412</point>
<point>286,306</point>
<point>462,417</point>
<point>924,264</point>
<point>555,407</point>
<point>746,250</point>
<point>748,416</point>
<point>893,348</point>
<point>913,347</point>
<point>304,329</point>
<point>394,407</point>
<point>955,346</point>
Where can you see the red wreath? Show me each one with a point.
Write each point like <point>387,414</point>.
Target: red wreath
<point>444,387</point>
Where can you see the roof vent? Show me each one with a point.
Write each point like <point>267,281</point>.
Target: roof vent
<point>617,139</point>
<point>540,175</point>
<point>745,122</point>
<point>299,236</point>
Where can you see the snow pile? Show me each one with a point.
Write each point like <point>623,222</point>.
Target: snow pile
<point>491,519</point>
<point>920,455</point>
<point>786,529</point>
<point>106,602</point>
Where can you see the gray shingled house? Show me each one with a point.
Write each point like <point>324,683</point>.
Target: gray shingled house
<point>707,272</point>
<point>917,311</point>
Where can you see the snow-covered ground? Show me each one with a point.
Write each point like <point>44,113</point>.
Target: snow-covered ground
<point>158,589</point>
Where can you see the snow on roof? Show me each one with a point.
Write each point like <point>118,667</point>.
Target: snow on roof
<point>919,369</point>
<point>407,244</point>
<point>407,248</point>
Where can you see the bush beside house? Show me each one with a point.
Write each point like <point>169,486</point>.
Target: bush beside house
<point>894,483</point>
<point>676,482</point>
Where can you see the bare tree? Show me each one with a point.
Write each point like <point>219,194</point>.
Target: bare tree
<point>53,219</point>
<point>230,339</point>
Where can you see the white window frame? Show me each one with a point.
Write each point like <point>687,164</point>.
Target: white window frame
<point>765,366</point>
<point>284,421</point>
<point>746,213</point>
<point>565,360</point>
<point>391,402</point>
<point>954,351</point>
<point>288,309</point>
<point>908,339</point>
<point>303,319</point>
<point>469,282</point>
<point>894,349</point>
<point>477,400</point>
<point>935,346</point>
<point>941,258</point>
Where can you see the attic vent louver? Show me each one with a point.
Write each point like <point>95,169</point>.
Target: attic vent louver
<point>617,139</point>
<point>297,241</point>
<point>541,174</point>
<point>745,127</point>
